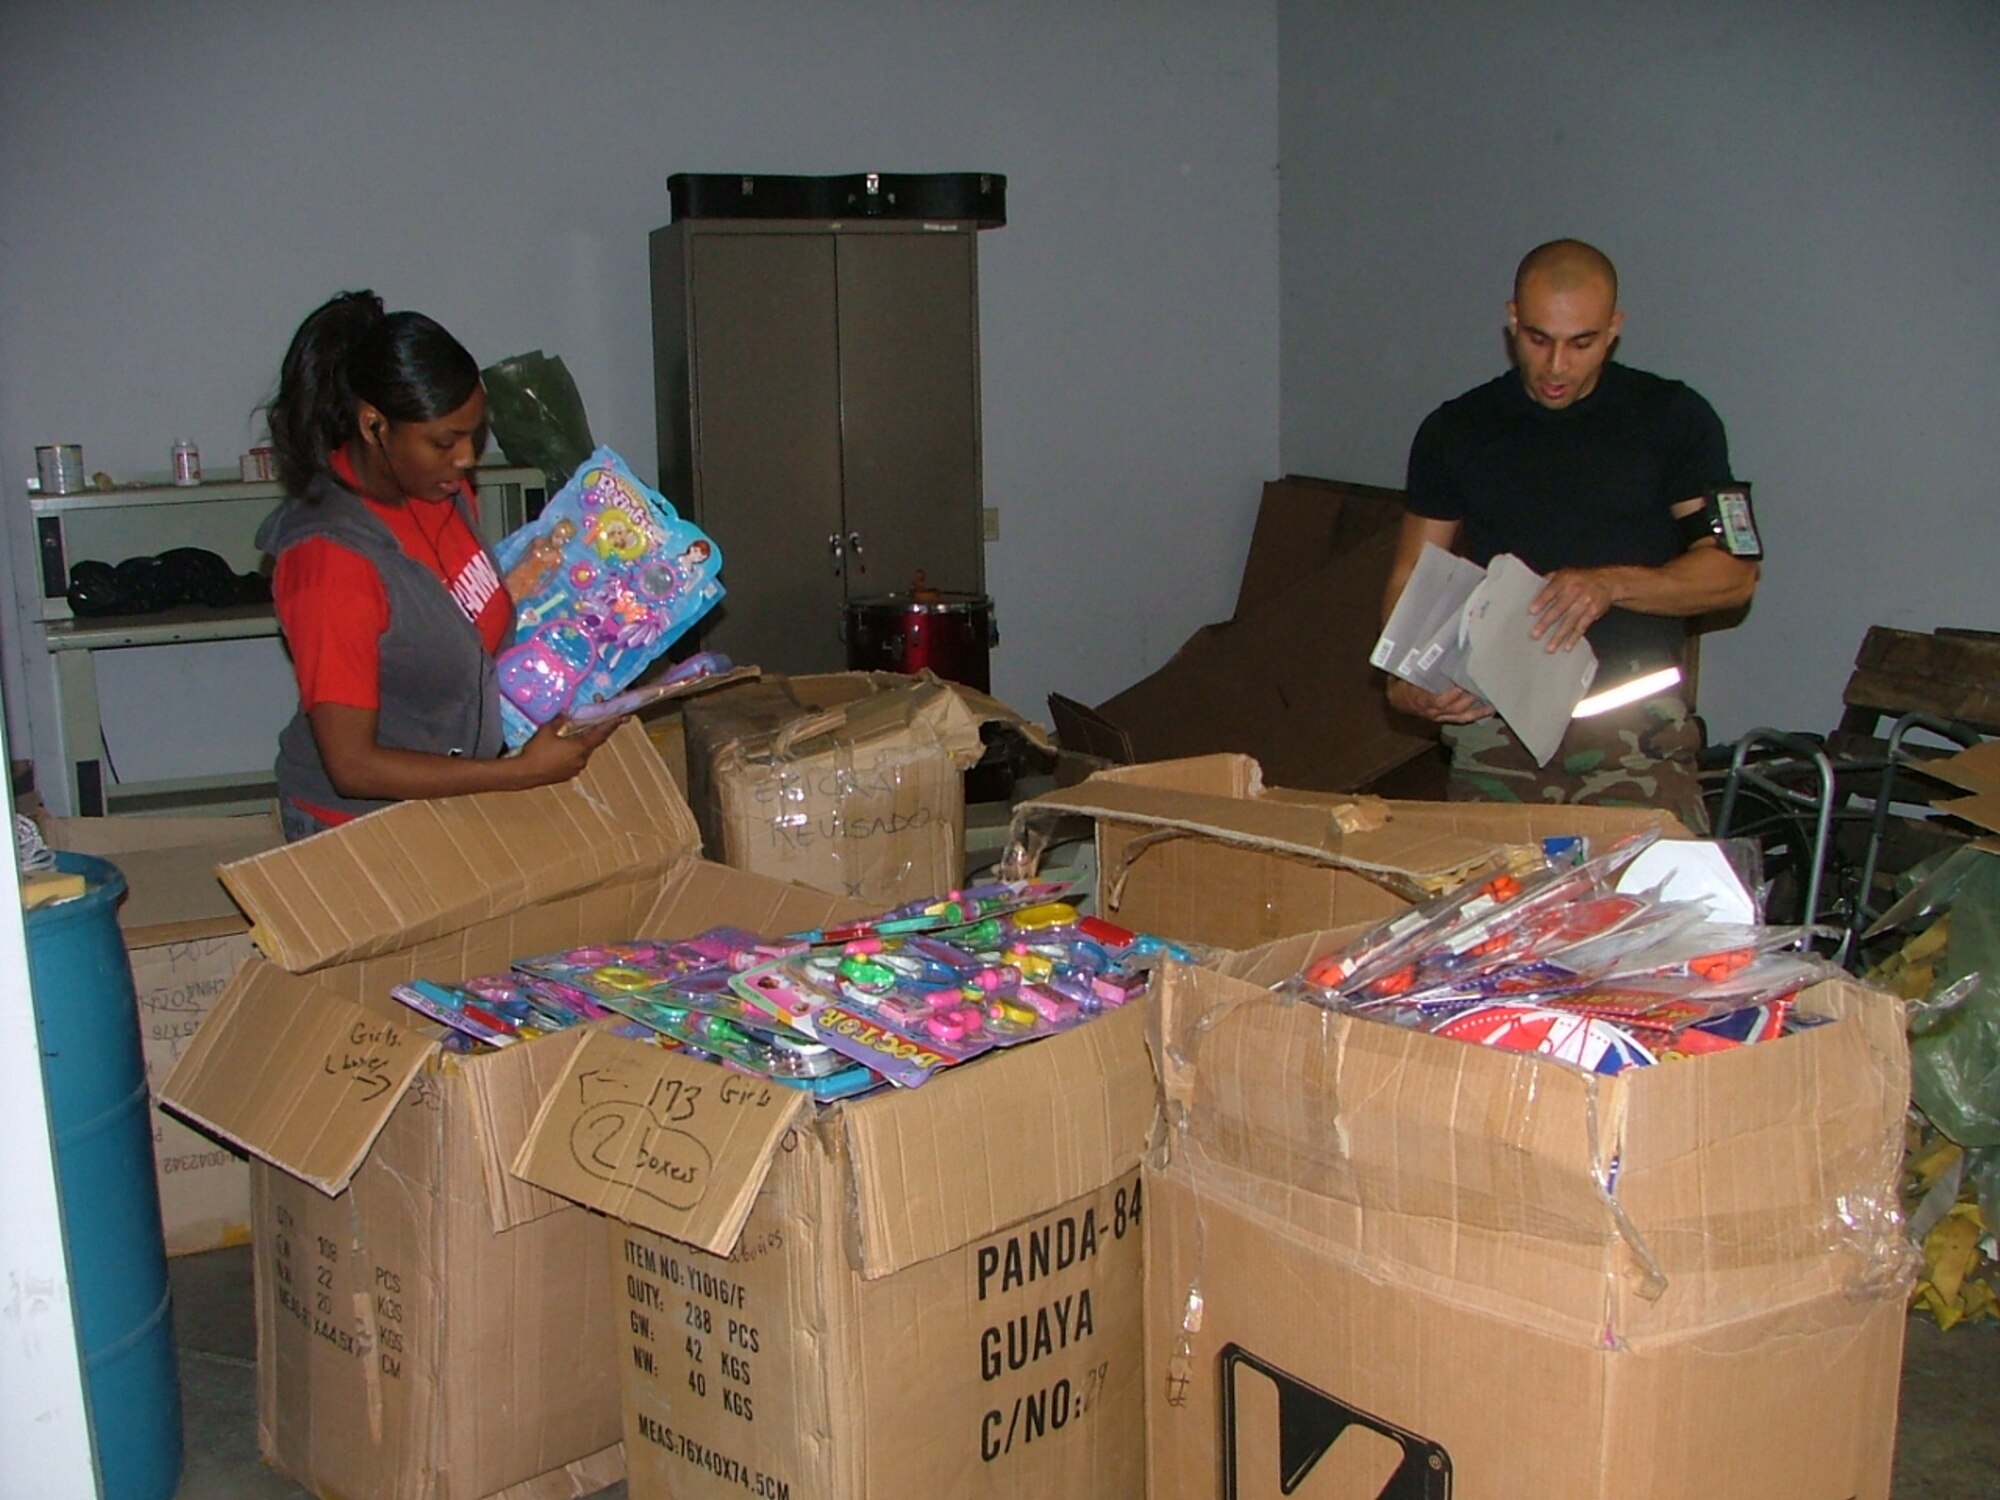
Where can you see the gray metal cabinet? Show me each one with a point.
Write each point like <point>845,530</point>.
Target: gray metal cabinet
<point>818,402</point>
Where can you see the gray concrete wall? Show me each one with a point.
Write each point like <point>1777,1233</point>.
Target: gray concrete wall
<point>1803,202</point>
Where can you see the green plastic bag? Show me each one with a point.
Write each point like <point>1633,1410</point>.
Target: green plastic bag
<point>536,415</point>
<point>1955,1049</point>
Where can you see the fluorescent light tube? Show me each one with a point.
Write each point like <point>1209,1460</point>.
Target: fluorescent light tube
<point>1630,691</point>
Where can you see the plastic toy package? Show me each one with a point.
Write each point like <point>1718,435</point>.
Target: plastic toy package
<point>937,982</point>
<point>1553,960</point>
<point>603,582</point>
<point>838,1011</point>
<point>499,1009</point>
<point>681,991</point>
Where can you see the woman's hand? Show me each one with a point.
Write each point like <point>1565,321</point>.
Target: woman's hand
<point>360,767</point>
<point>553,756</point>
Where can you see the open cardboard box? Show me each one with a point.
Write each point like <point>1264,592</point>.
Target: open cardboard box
<point>428,1325</point>
<point>1381,1262</point>
<point>849,782</point>
<point>186,939</point>
<point>1203,851</point>
<point>1287,678</point>
<point>432,1325</point>
<point>923,1292</point>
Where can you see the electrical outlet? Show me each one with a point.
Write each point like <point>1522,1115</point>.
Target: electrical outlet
<point>989,518</point>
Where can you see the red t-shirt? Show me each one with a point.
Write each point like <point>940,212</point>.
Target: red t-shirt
<point>333,608</point>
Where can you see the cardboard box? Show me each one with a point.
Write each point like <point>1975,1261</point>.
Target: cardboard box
<point>850,783</point>
<point>923,1292</point>
<point>1387,1263</point>
<point>1287,678</point>
<point>428,1325</point>
<point>1202,850</point>
<point>186,939</point>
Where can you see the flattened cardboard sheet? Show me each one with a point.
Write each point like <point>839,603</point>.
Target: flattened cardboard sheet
<point>1287,678</point>
<point>676,1145</point>
<point>420,869</point>
<point>305,1086</point>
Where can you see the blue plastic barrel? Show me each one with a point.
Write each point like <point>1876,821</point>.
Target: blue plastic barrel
<point>95,1074</point>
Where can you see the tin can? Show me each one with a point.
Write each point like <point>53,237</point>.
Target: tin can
<point>187,463</point>
<point>59,468</point>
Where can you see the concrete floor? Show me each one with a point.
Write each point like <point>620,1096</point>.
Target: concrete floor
<point>1948,1447</point>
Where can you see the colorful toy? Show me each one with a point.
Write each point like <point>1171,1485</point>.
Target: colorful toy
<point>603,581</point>
<point>698,666</point>
<point>1554,960</point>
<point>499,1009</point>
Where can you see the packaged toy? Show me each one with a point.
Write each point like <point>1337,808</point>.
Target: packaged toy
<point>603,581</point>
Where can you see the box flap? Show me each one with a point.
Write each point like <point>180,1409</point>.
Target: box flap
<point>1288,679</point>
<point>1390,1120</point>
<point>660,1140</point>
<point>1373,838</point>
<point>169,866</point>
<point>1087,732</point>
<point>998,1141</point>
<point>295,1074</point>
<point>420,869</point>
<point>503,1092</point>
<point>1303,523</point>
<point>925,706</point>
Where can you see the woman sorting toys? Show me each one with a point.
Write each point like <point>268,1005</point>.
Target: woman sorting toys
<point>391,605</point>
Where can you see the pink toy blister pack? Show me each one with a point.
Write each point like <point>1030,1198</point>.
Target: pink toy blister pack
<point>603,582</point>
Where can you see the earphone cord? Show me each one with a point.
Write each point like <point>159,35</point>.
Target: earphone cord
<point>444,573</point>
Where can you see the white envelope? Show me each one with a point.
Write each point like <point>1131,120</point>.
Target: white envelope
<point>1535,690</point>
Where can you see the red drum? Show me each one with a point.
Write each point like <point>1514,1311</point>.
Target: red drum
<point>950,634</point>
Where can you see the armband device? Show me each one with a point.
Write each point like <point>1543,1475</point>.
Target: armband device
<point>1725,514</point>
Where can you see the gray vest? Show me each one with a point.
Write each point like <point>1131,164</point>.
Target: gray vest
<point>437,686</point>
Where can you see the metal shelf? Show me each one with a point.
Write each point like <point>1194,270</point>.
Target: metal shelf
<point>188,622</point>
<point>131,496</point>
<point>146,519</point>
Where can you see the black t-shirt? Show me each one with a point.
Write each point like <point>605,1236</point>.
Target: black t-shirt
<point>1589,486</point>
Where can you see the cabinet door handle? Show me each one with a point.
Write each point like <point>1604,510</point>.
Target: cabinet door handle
<point>854,546</point>
<point>833,548</point>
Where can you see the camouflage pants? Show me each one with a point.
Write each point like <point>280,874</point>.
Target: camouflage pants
<point>1642,756</point>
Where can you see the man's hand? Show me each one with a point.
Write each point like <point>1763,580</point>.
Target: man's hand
<point>1573,600</point>
<point>1454,707</point>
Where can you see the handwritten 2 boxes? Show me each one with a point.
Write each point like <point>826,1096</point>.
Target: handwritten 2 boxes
<point>924,1292</point>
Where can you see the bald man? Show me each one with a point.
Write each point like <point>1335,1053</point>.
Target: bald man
<point>1582,468</point>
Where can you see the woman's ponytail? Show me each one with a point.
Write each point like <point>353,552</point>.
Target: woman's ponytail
<point>313,411</point>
